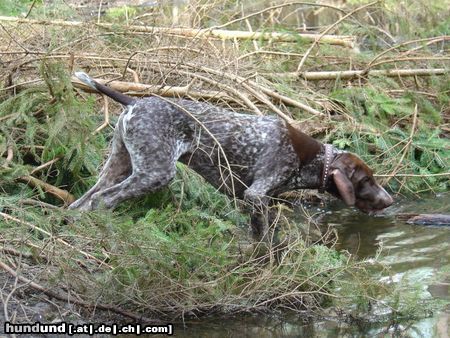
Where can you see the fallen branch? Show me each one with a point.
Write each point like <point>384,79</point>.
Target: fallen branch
<point>68,298</point>
<point>350,74</point>
<point>340,40</point>
<point>429,40</point>
<point>63,195</point>
<point>267,91</point>
<point>414,175</point>
<point>139,89</point>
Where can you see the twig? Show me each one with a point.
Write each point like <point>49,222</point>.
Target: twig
<point>8,297</point>
<point>70,299</point>
<point>406,147</point>
<point>59,240</point>
<point>45,165</point>
<point>265,90</point>
<point>10,154</point>
<point>15,252</point>
<point>413,175</point>
<point>427,44</point>
<point>134,73</point>
<point>416,58</point>
<point>29,10</point>
<point>434,39</point>
<point>29,201</point>
<point>291,102</point>
<point>271,8</point>
<point>266,101</point>
<point>5,117</point>
<point>106,115</point>
<point>236,92</point>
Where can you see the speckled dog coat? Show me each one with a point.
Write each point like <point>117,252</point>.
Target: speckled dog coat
<point>247,156</point>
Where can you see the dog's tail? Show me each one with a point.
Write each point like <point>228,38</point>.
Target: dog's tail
<point>114,94</point>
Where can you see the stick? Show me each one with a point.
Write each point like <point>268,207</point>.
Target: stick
<point>106,116</point>
<point>139,89</point>
<point>63,195</point>
<point>433,39</point>
<point>413,175</point>
<point>340,40</point>
<point>265,90</point>
<point>45,165</point>
<point>349,74</point>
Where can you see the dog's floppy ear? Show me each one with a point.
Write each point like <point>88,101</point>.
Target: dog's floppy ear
<point>344,186</point>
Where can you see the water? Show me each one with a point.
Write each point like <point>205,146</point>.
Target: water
<point>419,253</point>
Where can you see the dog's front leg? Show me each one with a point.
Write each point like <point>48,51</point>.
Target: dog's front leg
<point>258,203</point>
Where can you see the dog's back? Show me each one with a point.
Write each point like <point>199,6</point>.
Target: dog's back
<point>212,140</point>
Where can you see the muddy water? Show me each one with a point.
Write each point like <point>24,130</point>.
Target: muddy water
<point>419,253</point>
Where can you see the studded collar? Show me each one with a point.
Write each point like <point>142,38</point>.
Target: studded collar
<point>328,157</point>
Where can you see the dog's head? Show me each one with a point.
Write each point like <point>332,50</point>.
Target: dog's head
<point>352,181</point>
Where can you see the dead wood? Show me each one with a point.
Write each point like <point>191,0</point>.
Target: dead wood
<point>63,195</point>
<point>351,74</point>
<point>340,40</point>
<point>139,89</point>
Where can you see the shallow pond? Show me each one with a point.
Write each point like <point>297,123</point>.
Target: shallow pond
<point>418,252</point>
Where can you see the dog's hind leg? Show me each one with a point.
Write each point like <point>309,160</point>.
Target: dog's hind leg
<point>154,166</point>
<point>116,169</point>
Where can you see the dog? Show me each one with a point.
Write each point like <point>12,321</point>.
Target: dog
<point>255,158</point>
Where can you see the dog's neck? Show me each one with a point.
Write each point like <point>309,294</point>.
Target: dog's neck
<point>306,147</point>
<point>312,155</point>
<point>307,176</point>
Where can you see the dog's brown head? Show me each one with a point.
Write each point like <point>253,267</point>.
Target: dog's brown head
<point>352,181</point>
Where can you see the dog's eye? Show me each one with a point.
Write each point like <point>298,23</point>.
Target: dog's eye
<point>365,179</point>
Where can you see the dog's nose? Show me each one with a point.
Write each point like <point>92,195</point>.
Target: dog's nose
<point>385,198</point>
<point>388,201</point>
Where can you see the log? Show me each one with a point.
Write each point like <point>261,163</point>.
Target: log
<point>339,40</point>
<point>425,219</point>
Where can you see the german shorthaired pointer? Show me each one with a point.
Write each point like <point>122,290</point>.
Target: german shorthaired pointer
<point>250,157</point>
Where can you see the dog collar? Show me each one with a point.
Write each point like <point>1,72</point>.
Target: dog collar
<point>326,166</point>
